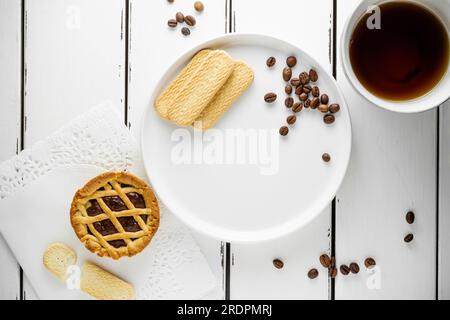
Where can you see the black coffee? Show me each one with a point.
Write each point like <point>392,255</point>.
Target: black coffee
<point>407,57</point>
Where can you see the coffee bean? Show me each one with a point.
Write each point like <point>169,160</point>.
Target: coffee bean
<point>333,262</point>
<point>332,273</point>
<point>172,23</point>
<point>284,131</point>
<point>190,21</point>
<point>326,157</point>
<point>295,82</point>
<point>304,78</point>
<point>325,261</point>
<point>315,102</point>
<point>329,119</point>
<point>313,274</point>
<point>303,97</point>
<point>170,1</point>
<point>287,74</point>
<point>307,89</point>
<point>289,102</point>
<point>370,263</point>
<point>313,75</point>
<point>324,99</point>
<point>410,217</point>
<point>277,263</point>
<point>198,6</point>
<point>354,267</point>
<point>180,17</point>
<point>270,97</point>
<point>185,31</point>
<point>297,107</point>
<point>308,103</point>
<point>288,89</point>
<point>345,270</point>
<point>316,91</point>
<point>335,108</point>
<point>291,120</point>
<point>291,61</point>
<point>323,108</point>
<point>409,238</point>
<point>299,90</point>
<point>271,62</point>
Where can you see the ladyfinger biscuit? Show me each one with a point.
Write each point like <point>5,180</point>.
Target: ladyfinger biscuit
<point>164,101</point>
<point>103,285</point>
<point>58,258</point>
<point>198,92</point>
<point>239,81</point>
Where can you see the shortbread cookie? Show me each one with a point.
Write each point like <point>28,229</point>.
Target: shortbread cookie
<point>58,258</point>
<point>103,285</point>
<point>239,81</point>
<point>165,100</point>
<point>201,88</point>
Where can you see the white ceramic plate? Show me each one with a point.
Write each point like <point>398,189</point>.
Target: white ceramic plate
<point>281,184</point>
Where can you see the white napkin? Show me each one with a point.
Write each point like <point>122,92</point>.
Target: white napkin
<point>36,190</point>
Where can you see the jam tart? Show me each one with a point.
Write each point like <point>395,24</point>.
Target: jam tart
<point>115,214</point>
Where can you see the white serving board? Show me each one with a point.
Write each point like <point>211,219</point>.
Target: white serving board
<point>244,201</point>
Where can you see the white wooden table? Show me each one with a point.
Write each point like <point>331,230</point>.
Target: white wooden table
<point>58,58</point>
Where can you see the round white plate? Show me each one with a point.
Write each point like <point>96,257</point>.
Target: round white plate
<point>277,184</point>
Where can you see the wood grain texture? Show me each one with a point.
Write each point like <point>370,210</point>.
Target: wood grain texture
<point>252,273</point>
<point>444,205</point>
<point>10,105</point>
<point>75,59</point>
<point>153,47</point>
<point>392,170</point>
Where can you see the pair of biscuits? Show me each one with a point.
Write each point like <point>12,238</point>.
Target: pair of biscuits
<point>205,89</point>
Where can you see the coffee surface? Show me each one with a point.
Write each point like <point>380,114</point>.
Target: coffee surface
<point>404,59</point>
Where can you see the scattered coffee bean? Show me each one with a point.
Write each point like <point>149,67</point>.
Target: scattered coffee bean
<point>323,108</point>
<point>190,21</point>
<point>313,274</point>
<point>315,91</point>
<point>410,217</point>
<point>289,102</point>
<point>354,267</point>
<point>271,62</point>
<point>270,97</point>
<point>170,1</point>
<point>303,97</point>
<point>299,90</point>
<point>185,31</point>
<point>308,103</point>
<point>297,107</point>
<point>335,108</point>
<point>287,74</point>
<point>198,5</point>
<point>345,270</point>
<point>409,238</point>
<point>326,157</point>
<point>315,102</point>
<point>291,61</point>
<point>370,263</point>
<point>295,82</point>
<point>325,261</point>
<point>180,17</point>
<point>313,75</point>
<point>291,120</point>
<point>329,119</point>
<point>304,78</point>
<point>324,99</point>
<point>307,89</point>
<point>172,23</point>
<point>277,263</point>
<point>332,273</point>
<point>288,89</point>
<point>284,131</point>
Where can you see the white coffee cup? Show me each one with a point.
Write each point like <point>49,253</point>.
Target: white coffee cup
<point>438,95</point>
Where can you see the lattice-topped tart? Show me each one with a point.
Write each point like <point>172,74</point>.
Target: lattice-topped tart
<point>115,214</point>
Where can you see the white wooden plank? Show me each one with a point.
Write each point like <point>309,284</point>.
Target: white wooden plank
<point>252,273</point>
<point>75,58</point>
<point>10,111</point>
<point>392,170</point>
<point>152,48</point>
<point>444,205</point>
